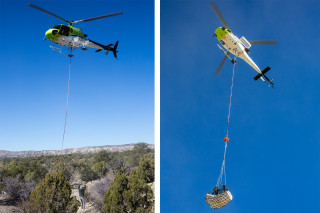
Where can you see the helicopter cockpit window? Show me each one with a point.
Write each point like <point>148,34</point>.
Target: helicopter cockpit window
<point>64,30</point>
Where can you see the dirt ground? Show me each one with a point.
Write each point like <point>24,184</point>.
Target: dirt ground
<point>10,209</point>
<point>6,208</point>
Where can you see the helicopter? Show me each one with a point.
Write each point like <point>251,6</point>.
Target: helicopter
<point>70,36</point>
<point>238,47</point>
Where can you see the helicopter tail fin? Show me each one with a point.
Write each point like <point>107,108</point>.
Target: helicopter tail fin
<point>114,49</point>
<point>262,73</point>
<point>108,48</point>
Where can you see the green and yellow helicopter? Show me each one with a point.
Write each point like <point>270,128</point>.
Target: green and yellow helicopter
<point>73,37</point>
<point>238,47</point>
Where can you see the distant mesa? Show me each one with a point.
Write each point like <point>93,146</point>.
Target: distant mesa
<point>83,150</point>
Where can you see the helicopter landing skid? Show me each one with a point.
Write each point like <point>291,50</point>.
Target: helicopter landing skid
<point>227,54</point>
<point>59,50</point>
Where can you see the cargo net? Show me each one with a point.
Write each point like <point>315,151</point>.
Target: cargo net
<point>218,197</point>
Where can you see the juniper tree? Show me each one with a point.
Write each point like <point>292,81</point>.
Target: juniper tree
<point>145,170</point>
<point>131,194</point>
<point>52,195</point>
<point>113,199</point>
<point>139,196</point>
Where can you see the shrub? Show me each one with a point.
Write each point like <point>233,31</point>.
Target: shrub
<point>52,195</point>
<point>113,201</point>
<point>87,174</point>
<point>12,187</point>
<point>146,170</point>
<point>139,196</point>
<point>98,189</point>
<point>73,205</point>
<point>131,194</point>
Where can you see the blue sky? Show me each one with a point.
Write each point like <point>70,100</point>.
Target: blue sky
<point>111,101</point>
<point>274,150</point>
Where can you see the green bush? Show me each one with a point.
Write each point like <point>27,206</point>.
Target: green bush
<point>139,196</point>
<point>113,200</point>
<point>74,205</point>
<point>100,168</point>
<point>102,156</point>
<point>146,170</point>
<point>87,174</point>
<point>138,151</point>
<point>131,194</point>
<point>52,195</point>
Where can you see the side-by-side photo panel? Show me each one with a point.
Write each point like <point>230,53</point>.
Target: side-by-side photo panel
<point>77,129</point>
<point>239,106</point>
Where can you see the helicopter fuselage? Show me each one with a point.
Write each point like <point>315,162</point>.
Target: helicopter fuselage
<point>234,45</point>
<point>71,37</point>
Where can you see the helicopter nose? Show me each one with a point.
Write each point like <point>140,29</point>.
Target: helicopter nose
<point>50,34</point>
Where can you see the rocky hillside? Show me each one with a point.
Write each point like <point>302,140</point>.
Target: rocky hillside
<point>84,150</point>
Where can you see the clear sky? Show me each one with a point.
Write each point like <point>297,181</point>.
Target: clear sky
<point>273,157</point>
<point>111,101</point>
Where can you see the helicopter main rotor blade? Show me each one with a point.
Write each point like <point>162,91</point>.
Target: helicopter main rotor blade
<point>98,17</point>
<point>222,63</point>
<point>264,42</point>
<point>43,10</point>
<point>215,8</point>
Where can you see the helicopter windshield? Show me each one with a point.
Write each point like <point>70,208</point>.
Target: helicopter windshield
<point>63,29</point>
<point>57,27</point>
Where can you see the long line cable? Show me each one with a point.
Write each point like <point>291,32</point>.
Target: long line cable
<point>226,139</point>
<point>230,97</point>
<point>223,168</point>
<point>66,115</point>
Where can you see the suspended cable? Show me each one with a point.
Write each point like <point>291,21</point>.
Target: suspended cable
<point>66,114</point>
<point>223,168</point>
<point>226,139</point>
<point>231,96</point>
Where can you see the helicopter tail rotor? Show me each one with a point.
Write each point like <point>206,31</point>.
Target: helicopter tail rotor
<point>110,48</point>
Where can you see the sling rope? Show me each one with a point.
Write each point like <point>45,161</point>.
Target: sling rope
<point>223,168</point>
<point>66,115</point>
<point>230,97</point>
<point>226,139</point>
